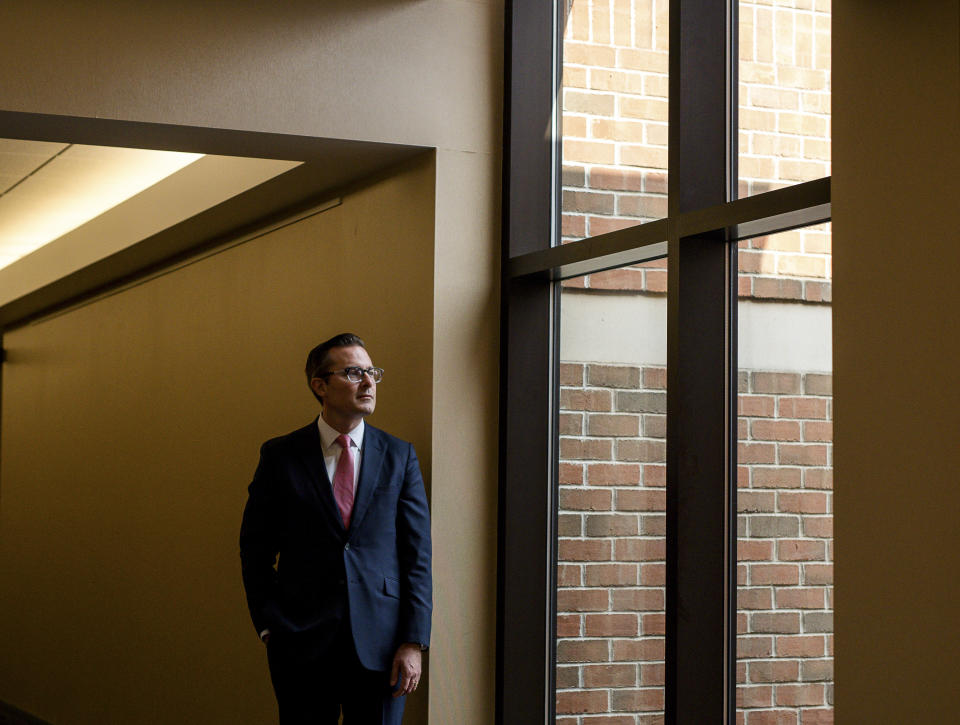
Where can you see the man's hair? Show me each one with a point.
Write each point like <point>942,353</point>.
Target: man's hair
<point>318,359</point>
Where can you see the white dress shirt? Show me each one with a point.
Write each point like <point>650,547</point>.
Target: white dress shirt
<point>332,450</point>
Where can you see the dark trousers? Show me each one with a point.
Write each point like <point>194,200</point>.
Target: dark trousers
<point>315,674</point>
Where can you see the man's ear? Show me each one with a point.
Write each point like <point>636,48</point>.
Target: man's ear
<point>318,386</point>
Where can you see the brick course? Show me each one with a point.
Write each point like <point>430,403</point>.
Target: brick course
<point>614,126</point>
<point>612,448</point>
<point>610,579</point>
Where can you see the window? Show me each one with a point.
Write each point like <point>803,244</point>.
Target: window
<point>611,507</point>
<point>703,224</point>
<point>785,479</point>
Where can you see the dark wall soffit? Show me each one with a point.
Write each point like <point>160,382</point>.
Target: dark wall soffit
<point>768,213</point>
<point>200,139</point>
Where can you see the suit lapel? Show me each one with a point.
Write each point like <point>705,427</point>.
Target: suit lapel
<point>318,487</point>
<point>372,460</point>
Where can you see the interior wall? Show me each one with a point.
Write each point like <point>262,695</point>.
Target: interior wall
<point>896,74</point>
<point>418,72</point>
<point>131,427</point>
<point>402,71</point>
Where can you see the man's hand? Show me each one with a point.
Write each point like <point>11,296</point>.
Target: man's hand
<point>407,667</point>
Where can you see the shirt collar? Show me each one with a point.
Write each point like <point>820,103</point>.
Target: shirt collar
<point>328,435</point>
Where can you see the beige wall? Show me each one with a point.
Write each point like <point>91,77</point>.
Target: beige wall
<point>896,346</point>
<point>426,72</point>
<point>422,72</point>
<point>130,428</point>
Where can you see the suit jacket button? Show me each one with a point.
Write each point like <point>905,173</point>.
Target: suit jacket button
<point>346,547</point>
<point>341,582</point>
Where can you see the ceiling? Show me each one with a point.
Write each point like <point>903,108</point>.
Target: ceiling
<point>224,182</point>
<point>66,206</point>
<point>49,189</point>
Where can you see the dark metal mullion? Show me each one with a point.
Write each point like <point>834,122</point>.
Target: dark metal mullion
<point>768,213</point>
<point>527,621</point>
<point>731,390</point>
<point>732,92</point>
<point>700,488</point>
<point>526,586</point>
<point>730,393</point>
<point>761,209</point>
<point>589,249</point>
<point>700,609</point>
<point>648,253</point>
<point>808,216</point>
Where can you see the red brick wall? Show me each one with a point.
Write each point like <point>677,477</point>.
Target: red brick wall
<point>611,547</point>
<point>612,448</point>
<point>614,128</point>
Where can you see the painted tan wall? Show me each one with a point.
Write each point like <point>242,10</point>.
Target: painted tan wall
<point>896,345</point>
<point>423,72</point>
<point>130,428</point>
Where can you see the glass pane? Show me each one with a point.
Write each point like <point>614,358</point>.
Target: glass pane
<point>614,122</point>
<point>785,478</point>
<point>784,93</point>
<point>610,596</point>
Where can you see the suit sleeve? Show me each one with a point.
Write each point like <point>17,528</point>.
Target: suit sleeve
<point>414,552</point>
<point>260,541</point>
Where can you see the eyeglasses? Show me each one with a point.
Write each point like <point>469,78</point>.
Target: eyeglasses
<point>355,374</point>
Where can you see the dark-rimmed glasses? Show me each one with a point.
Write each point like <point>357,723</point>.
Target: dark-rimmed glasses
<point>355,374</point>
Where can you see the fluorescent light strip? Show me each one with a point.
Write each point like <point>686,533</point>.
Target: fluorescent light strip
<point>73,187</point>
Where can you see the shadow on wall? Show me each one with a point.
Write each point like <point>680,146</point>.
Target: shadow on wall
<point>131,426</point>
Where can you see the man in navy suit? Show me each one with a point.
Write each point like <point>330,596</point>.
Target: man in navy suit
<point>345,613</point>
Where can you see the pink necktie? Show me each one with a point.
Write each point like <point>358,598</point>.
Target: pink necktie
<point>343,480</point>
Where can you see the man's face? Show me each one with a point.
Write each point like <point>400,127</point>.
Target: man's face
<point>341,398</point>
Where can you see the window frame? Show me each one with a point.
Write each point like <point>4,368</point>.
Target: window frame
<point>699,238</point>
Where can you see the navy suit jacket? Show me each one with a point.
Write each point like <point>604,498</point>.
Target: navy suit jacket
<point>378,571</point>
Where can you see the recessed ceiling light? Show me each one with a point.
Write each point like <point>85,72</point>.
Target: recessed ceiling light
<point>47,190</point>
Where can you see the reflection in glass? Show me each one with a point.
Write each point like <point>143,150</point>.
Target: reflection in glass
<point>612,499</point>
